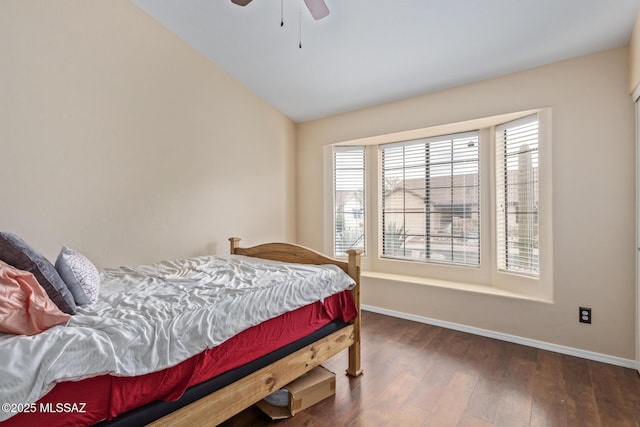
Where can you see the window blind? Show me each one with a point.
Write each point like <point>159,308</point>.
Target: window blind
<point>431,199</point>
<point>349,199</point>
<point>517,162</point>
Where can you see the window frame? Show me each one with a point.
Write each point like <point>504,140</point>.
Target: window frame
<point>364,211</point>
<point>436,156</point>
<point>488,274</point>
<point>503,195</point>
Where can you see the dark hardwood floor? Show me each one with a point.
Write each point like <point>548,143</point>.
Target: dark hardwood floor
<point>422,375</point>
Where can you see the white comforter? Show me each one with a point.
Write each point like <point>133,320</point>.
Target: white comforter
<point>152,317</point>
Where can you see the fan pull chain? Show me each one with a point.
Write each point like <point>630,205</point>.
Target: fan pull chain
<point>300,25</point>
<point>282,13</point>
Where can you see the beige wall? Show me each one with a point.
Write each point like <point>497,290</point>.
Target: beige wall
<point>119,140</point>
<point>593,199</point>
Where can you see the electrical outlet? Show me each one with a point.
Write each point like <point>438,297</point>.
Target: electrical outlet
<point>585,315</point>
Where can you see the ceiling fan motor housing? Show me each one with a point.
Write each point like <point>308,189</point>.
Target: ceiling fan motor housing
<point>317,8</point>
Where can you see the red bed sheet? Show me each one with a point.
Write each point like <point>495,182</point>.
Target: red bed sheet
<point>88,401</point>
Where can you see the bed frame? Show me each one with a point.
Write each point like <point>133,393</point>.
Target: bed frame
<point>234,398</point>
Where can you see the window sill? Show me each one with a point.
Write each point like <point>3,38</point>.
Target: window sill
<point>459,286</point>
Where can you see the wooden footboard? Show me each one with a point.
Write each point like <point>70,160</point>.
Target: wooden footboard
<point>288,252</point>
<point>232,399</point>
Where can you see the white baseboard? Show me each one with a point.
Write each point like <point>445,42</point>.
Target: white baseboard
<point>598,357</point>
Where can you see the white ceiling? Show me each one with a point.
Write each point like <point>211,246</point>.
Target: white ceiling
<point>368,52</point>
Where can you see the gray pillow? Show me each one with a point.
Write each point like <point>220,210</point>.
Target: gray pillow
<point>80,275</point>
<point>16,252</point>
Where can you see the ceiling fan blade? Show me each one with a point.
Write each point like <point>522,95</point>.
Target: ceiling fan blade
<point>318,8</point>
<point>241,2</point>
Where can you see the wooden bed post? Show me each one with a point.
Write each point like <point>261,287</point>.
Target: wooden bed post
<point>234,242</point>
<point>355,368</point>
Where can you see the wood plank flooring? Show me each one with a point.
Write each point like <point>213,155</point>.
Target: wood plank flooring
<point>422,375</point>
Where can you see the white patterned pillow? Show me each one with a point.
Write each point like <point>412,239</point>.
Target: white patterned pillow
<point>80,275</point>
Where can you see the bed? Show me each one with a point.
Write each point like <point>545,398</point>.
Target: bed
<point>212,385</point>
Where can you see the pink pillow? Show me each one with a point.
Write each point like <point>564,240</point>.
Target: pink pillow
<point>25,308</point>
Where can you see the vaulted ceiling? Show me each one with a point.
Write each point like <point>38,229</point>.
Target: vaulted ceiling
<point>368,52</point>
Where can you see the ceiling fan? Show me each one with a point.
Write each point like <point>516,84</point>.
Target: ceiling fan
<point>318,8</point>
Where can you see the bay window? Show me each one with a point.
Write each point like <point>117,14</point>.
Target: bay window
<point>466,203</point>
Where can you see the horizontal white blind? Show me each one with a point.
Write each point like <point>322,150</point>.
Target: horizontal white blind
<point>431,199</point>
<point>517,166</point>
<point>349,199</point>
